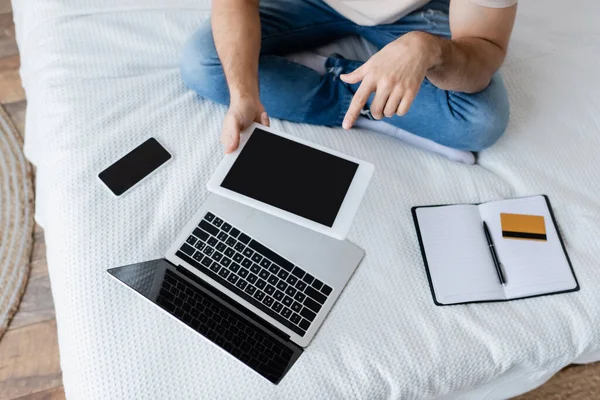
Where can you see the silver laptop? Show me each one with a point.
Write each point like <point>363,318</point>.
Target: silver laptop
<point>251,283</point>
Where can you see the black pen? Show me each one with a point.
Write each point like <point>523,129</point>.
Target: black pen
<point>494,255</point>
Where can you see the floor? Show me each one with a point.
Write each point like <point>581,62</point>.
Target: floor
<point>29,362</point>
<point>29,359</point>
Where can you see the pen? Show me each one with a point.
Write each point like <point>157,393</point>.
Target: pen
<point>494,255</point>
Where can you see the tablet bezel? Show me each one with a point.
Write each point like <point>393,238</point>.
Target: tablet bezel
<point>348,208</point>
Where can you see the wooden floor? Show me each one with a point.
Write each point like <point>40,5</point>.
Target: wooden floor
<point>29,360</point>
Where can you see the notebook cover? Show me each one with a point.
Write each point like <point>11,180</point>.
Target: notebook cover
<point>437,303</point>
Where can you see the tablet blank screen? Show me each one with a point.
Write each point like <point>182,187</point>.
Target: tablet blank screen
<point>291,176</point>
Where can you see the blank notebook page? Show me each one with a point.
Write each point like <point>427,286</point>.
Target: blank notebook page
<point>531,267</point>
<point>460,264</point>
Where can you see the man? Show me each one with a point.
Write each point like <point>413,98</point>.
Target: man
<point>435,74</point>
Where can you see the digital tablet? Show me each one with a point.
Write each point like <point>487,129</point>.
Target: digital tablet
<point>291,178</point>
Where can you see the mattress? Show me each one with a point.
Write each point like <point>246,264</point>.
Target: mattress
<point>101,76</point>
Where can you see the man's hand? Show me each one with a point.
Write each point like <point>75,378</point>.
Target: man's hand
<point>242,112</point>
<point>395,74</point>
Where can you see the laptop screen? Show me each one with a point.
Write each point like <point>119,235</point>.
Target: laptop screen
<point>291,176</point>
<point>211,314</point>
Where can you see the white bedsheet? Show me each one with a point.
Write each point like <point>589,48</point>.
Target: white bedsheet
<point>102,75</point>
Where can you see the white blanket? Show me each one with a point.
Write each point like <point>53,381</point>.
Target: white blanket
<point>101,76</point>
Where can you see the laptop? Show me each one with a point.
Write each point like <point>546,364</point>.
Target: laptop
<point>254,284</point>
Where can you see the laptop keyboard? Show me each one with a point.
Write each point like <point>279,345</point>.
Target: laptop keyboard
<point>224,327</point>
<point>260,276</point>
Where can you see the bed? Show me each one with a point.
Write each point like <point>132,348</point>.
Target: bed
<point>103,75</point>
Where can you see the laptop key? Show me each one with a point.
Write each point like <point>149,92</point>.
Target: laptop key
<point>269,289</point>
<point>215,267</point>
<point>290,291</point>
<point>209,228</point>
<point>187,249</point>
<point>231,242</point>
<point>244,238</point>
<point>212,241</point>
<point>264,274</point>
<point>281,285</point>
<point>273,280</point>
<point>265,263</point>
<point>311,304</point>
<point>241,284</point>
<point>250,289</point>
<point>256,258</point>
<point>246,263</point>
<point>300,285</point>
<point>252,278</point>
<point>239,246</point>
<point>277,306</point>
<point>243,272</point>
<point>286,312</point>
<point>248,252</point>
<point>217,256</point>
<point>260,284</point>
<point>234,232</point>
<point>278,295</point>
<point>226,227</point>
<point>255,268</point>
<point>287,300</point>
<point>234,267</point>
<point>326,290</point>
<point>218,222</point>
<point>282,274</point>
<point>233,278</point>
<point>295,318</point>
<point>304,324</point>
<point>292,280</point>
<point>197,256</point>
<point>308,314</point>
<point>296,306</point>
<point>297,272</point>
<point>317,284</point>
<point>318,296</point>
<point>200,245</point>
<point>225,261</point>
<point>259,295</point>
<point>221,247</point>
<point>308,278</point>
<point>222,236</point>
<point>268,301</point>
<point>237,257</point>
<point>191,240</point>
<point>229,252</point>
<point>206,261</point>
<point>300,297</point>
<point>208,250</point>
<point>224,272</point>
<point>209,216</point>
<point>274,269</point>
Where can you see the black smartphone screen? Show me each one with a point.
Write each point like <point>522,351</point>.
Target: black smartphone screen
<point>134,166</point>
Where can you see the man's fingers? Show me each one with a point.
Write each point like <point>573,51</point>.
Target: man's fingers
<point>358,102</point>
<point>391,107</point>
<point>230,135</point>
<point>382,95</point>
<point>264,119</point>
<point>407,100</point>
<point>355,76</point>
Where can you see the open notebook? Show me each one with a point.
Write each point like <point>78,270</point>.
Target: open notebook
<point>459,261</point>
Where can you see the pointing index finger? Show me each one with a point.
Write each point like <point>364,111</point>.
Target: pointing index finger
<point>358,102</point>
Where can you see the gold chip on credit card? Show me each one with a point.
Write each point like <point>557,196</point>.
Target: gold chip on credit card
<point>523,226</point>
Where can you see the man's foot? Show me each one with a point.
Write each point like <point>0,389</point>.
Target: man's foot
<point>465,157</point>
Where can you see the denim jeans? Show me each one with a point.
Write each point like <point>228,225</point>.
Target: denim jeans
<point>293,92</point>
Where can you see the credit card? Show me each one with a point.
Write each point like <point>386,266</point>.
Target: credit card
<point>523,226</point>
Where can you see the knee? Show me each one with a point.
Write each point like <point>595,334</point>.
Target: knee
<point>485,121</point>
<point>200,61</point>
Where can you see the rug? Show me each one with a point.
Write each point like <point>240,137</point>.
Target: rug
<point>575,382</point>
<point>16,219</point>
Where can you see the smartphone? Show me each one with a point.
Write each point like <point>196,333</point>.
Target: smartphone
<point>134,166</point>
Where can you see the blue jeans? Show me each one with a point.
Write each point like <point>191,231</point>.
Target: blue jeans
<point>297,93</point>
